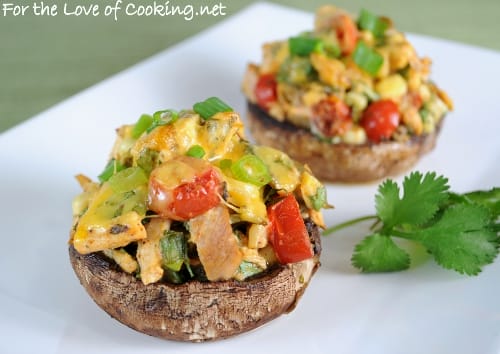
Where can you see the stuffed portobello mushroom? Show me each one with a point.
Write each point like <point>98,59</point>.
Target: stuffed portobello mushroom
<point>351,98</point>
<point>192,233</point>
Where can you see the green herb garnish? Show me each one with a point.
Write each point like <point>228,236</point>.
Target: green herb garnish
<point>371,22</point>
<point>461,231</point>
<point>303,46</point>
<point>295,70</point>
<point>142,125</point>
<point>112,167</point>
<point>128,179</point>
<point>174,250</point>
<point>211,106</point>
<point>163,117</point>
<point>251,169</point>
<point>248,269</point>
<point>367,58</point>
<point>196,151</point>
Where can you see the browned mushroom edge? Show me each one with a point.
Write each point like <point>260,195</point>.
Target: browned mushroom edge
<point>195,311</point>
<point>347,163</point>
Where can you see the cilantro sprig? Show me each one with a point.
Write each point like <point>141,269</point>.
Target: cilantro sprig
<point>461,231</point>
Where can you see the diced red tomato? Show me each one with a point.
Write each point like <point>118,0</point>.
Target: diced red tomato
<point>380,120</point>
<point>265,91</point>
<point>331,116</point>
<point>287,233</point>
<point>347,33</point>
<point>183,188</point>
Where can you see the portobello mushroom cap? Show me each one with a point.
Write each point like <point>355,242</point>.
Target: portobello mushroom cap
<point>341,162</point>
<point>195,311</point>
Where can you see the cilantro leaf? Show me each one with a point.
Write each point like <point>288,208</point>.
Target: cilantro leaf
<point>462,239</point>
<point>461,231</point>
<point>490,199</point>
<point>387,200</point>
<point>422,197</point>
<point>379,253</point>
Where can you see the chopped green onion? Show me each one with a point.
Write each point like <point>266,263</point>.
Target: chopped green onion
<point>332,49</point>
<point>211,106</point>
<point>173,276</point>
<point>196,151</point>
<point>318,200</point>
<point>248,269</point>
<point>295,70</point>
<point>148,160</point>
<point>328,45</point>
<point>142,125</point>
<point>164,117</point>
<point>173,248</point>
<point>367,58</point>
<point>121,203</point>
<point>251,169</point>
<point>371,22</point>
<point>303,46</point>
<point>128,179</point>
<point>111,168</point>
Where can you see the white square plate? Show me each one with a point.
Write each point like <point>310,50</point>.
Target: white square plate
<point>43,308</point>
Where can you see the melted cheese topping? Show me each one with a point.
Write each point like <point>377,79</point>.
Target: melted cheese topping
<point>108,219</point>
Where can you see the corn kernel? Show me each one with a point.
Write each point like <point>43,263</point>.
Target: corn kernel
<point>400,55</point>
<point>394,36</point>
<point>355,135</point>
<point>392,87</point>
<point>368,37</point>
<point>356,100</point>
<point>257,236</point>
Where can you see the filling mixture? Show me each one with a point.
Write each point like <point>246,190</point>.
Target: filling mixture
<point>185,196</point>
<point>349,81</point>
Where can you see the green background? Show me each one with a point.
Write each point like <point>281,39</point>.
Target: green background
<point>44,60</point>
